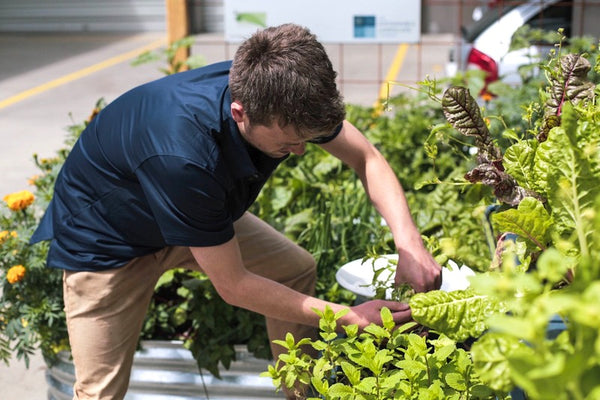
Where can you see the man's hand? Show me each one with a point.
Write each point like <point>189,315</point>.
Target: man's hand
<point>370,312</point>
<point>419,269</point>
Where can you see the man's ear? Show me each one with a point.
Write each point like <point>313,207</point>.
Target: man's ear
<point>237,111</point>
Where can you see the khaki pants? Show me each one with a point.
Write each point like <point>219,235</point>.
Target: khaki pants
<point>105,310</point>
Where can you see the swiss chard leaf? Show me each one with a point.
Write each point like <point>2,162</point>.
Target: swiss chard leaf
<point>529,220</point>
<point>490,354</point>
<point>459,315</point>
<point>519,160</point>
<point>570,84</point>
<point>462,111</point>
<point>571,184</point>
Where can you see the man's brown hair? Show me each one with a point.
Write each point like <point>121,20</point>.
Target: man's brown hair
<point>282,74</point>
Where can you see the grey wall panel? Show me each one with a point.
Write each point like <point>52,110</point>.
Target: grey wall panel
<point>82,15</point>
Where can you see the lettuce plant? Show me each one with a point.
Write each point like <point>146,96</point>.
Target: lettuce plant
<point>550,188</point>
<point>531,320</point>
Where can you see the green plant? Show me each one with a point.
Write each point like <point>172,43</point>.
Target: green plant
<point>168,55</point>
<point>545,181</point>
<point>31,306</point>
<point>551,180</point>
<point>383,362</point>
<point>185,306</point>
<point>321,204</point>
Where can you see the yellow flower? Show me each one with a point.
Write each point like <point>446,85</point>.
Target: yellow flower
<point>4,235</point>
<point>24,322</point>
<point>15,274</point>
<point>19,200</point>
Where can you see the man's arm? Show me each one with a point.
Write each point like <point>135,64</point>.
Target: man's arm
<point>239,287</point>
<point>415,265</point>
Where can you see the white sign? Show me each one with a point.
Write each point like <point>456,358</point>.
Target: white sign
<point>337,21</point>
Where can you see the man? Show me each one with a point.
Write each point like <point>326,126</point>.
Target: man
<point>162,178</point>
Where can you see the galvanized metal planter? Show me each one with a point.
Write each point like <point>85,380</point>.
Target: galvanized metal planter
<point>166,370</point>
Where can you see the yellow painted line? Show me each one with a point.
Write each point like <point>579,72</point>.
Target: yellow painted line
<point>391,75</point>
<point>81,73</point>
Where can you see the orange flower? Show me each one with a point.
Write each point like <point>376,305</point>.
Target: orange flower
<point>19,200</point>
<point>6,234</point>
<point>31,181</point>
<point>15,274</point>
<point>487,96</point>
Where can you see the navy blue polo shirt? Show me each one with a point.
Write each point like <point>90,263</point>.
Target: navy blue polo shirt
<point>162,165</point>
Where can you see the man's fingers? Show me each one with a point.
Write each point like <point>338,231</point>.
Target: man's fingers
<point>394,306</point>
<point>402,316</point>
<point>400,311</point>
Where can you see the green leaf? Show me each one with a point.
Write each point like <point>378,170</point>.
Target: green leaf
<point>529,220</point>
<point>367,385</point>
<point>321,386</point>
<point>518,162</point>
<point>571,184</point>
<point>340,390</point>
<point>387,319</point>
<point>382,357</point>
<point>280,197</point>
<point>552,266</point>
<point>444,352</point>
<point>351,372</point>
<point>411,367</point>
<point>459,315</point>
<point>418,344</point>
<point>254,18</point>
<point>490,354</point>
<point>456,381</point>
<point>377,331</point>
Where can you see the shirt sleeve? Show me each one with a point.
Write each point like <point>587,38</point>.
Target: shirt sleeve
<point>188,203</point>
<point>328,138</point>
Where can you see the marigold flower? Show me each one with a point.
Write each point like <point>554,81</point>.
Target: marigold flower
<point>487,96</point>
<point>4,235</point>
<point>15,274</point>
<point>19,200</point>
<point>31,181</point>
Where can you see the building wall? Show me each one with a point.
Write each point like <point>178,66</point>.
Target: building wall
<point>82,15</point>
<point>437,17</point>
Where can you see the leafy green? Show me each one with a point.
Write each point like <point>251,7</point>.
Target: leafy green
<point>384,362</point>
<point>530,220</point>
<point>567,83</point>
<point>460,315</point>
<point>462,111</point>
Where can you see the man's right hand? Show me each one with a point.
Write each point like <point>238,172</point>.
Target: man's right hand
<point>370,312</point>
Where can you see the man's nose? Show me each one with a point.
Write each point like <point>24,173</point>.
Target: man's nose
<point>298,149</point>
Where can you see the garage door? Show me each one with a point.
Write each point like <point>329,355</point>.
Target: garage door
<point>82,15</point>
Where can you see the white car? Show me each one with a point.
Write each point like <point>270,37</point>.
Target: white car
<point>485,44</point>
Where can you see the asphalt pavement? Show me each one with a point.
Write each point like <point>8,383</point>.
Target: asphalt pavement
<point>50,80</point>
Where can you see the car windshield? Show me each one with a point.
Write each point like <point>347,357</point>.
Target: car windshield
<point>492,15</point>
<point>549,18</point>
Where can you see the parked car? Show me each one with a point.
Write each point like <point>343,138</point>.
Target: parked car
<point>485,43</point>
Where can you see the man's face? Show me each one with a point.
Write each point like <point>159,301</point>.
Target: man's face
<point>272,140</point>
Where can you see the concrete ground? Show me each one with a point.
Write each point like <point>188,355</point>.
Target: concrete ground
<point>48,81</point>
